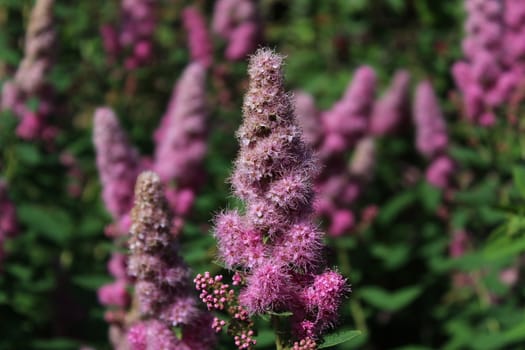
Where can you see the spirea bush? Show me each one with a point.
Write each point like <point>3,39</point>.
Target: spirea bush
<point>243,174</point>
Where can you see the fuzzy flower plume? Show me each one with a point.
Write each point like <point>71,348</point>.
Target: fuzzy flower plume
<point>39,48</point>
<point>199,41</point>
<point>431,135</point>
<point>344,127</point>
<point>182,145</point>
<point>392,109</point>
<point>8,221</point>
<point>134,33</point>
<point>239,23</point>
<point>118,163</point>
<point>347,120</point>
<point>181,139</point>
<point>493,67</point>
<point>274,242</point>
<point>431,130</point>
<point>163,286</point>
<point>339,187</point>
<point>30,78</point>
<point>118,166</point>
<point>308,117</point>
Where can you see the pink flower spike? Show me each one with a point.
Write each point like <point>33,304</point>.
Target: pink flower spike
<point>117,162</point>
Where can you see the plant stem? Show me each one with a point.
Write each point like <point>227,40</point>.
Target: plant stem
<point>276,328</point>
<point>355,306</point>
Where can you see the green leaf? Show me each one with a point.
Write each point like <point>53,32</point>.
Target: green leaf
<point>518,175</point>
<point>504,248</point>
<point>392,256</point>
<point>91,282</point>
<point>32,103</point>
<point>430,196</point>
<point>516,333</point>
<point>395,206</point>
<point>391,301</point>
<point>397,5</point>
<point>27,153</point>
<point>54,344</point>
<point>193,256</point>
<point>337,338</point>
<point>482,194</point>
<point>468,156</point>
<point>281,314</point>
<point>265,338</point>
<point>21,272</point>
<point>54,223</point>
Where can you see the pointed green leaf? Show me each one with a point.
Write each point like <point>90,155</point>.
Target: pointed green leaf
<point>518,174</point>
<point>337,338</point>
<point>52,222</point>
<point>391,301</point>
<point>281,314</point>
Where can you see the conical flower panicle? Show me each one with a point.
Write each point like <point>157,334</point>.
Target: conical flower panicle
<point>181,146</point>
<point>347,121</point>
<point>309,118</point>
<point>39,48</point>
<point>275,169</point>
<point>343,126</point>
<point>118,163</point>
<point>274,242</point>
<point>431,130</point>
<point>198,38</point>
<point>163,284</point>
<point>239,22</point>
<point>432,136</point>
<point>30,78</point>
<point>161,274</point>
<point>392,109</point>
<point>492,70</point>
<point>132,36</point>
<point>150,215</point>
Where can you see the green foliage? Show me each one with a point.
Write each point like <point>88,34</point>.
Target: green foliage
<point>408,292</point>
<point>389,301</point>
<point>337,338</point>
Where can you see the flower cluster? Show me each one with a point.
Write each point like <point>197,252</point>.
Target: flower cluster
<point>134,33</point>
<point>163,286</point>
<point>220,297</point>
<point>305,344</point>
<point>344,126</point>
<point>493,48</point>
<point>308,117</point>
<point>180,150</point>
<point>29,82</point>
<point>181,140</point>
<point>8,221</point>
<point>391,110</point>
<point>347,120</point>
<point>199,41</point>
<point>275,240</point>
<point>118,163</point>
<point>431,135</point>
<point>238,22</point>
